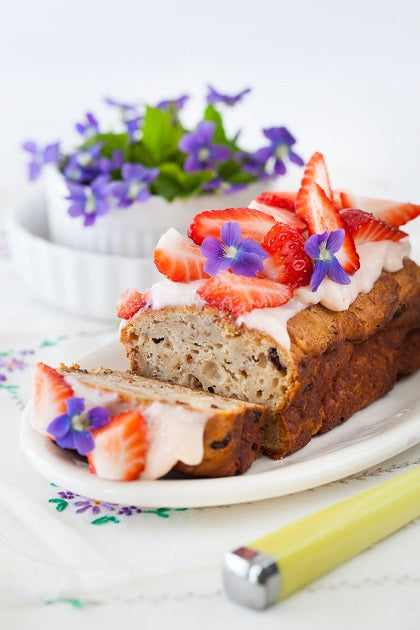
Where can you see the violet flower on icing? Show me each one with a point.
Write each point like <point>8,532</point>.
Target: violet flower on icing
<point>202,153</point>
<point>243,257</point>
<point>73,429</point>
<point>280,148</point>
<point>322,247</point>
<point>213,96</point>
<point>89,201</point>
<point>40,156</point>
<point>134,185</point>
<point>89,127</point>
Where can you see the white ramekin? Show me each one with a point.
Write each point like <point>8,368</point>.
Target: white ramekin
<point>132,231</point>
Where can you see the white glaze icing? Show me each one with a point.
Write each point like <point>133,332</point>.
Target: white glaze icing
<point>175,434</point>
<point>168,293</point>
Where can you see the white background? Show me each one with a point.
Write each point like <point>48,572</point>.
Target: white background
<point>344,77</point>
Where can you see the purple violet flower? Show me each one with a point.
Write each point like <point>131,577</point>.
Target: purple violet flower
<point>243,257</point>
<point>73,429</point>
<point>3,377</point>
<point>133,126</point>
<point>213,96</point>
<point>202,154</point>
<point>107,165</point>
<point>252,165</point>
<point>280,148</point>
<point>125,108</point>
<point>83,165</point>
<point>322,247</point>
<point>40,156</point>
<point>134,186</point>
<point>89,127</point>
<point>173,104</point>
<point>89,201</point>
<point>218,185</point>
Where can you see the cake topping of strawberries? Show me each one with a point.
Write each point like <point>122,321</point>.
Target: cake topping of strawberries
<point>244,257</point>
<point>178,259</point>
<point>281,206</point>
<point>49,394</point>
<point>315,173</point>
<point>130,302</point>
<point>321,215</point>
<point>253,223</point>
<point>288,262</point>
<point>285,200</point>
<point>364,227</point>
<point>238,294</point>
<point>120,448</point>
<point>394,213</point>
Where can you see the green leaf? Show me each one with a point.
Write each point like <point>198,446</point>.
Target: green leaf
<point>231,172</point>
<point>220,136</point>
<point>173,182</point>
<point>139,153</point>
<point>161,135</point>
<point>111,142</point>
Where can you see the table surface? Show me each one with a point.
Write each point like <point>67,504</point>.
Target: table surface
<point>67,559</point>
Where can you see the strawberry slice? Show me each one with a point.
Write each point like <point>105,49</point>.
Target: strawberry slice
<point>288,262</point>
<point>395,213</point>
<point>130,302</point>
<point>315,172</point>
<point>254,224</point>
<point>178,259</point>
<point>281,206</point>
<point>320,215</point>
<point>49,394</point>
<point>120,448</point>
<point>239,294</point>
<point>285,200</point>
<point>364,227</point>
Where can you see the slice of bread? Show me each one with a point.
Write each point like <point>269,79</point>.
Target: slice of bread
<point>229,431</point>
<point>338,362</point>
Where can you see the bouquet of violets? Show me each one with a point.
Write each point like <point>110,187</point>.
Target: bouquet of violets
<point>154,153</point>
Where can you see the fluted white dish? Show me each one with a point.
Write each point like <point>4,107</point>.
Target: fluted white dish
<point>84,283</point>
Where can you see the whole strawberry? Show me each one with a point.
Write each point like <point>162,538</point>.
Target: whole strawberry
<point>288,262</point>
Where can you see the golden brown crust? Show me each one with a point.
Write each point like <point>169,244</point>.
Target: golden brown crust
<point>359,358</point>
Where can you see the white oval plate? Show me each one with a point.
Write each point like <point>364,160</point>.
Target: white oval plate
<point>385,428</point>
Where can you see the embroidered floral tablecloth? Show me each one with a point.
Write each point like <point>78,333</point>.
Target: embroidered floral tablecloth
<point>68,560</point>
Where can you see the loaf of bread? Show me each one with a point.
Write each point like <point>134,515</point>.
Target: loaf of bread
<point>196,433</point>
<point>338,362</point>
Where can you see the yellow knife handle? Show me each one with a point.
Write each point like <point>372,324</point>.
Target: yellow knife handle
<point>273,567</point>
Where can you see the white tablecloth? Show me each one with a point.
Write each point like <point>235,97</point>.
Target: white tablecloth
<point>68,561</point>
